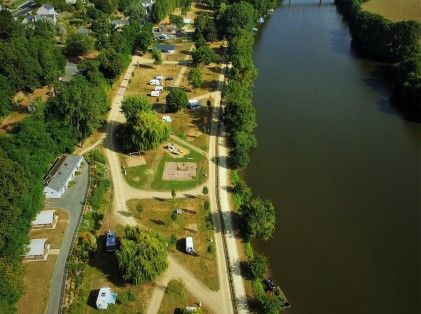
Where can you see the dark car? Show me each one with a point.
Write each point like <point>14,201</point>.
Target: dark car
<point>111,241</point>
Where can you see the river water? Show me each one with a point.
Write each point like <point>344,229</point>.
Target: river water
<point>341,166</point>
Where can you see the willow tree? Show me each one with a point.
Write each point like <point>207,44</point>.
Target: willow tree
<point>148,131</point>
<point>142,255</point>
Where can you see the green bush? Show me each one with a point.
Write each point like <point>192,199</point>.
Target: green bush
<point>98,193</point>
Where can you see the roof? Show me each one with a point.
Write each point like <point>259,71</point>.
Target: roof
<point>120,22</point>
<point>147,2</point>
<point>47,6</point>
<point>44,217</point>
<point>189,242</point>
<point>61,171</point>
<point>165,47</point>
<point>106,295</point>
<point>36,247</point>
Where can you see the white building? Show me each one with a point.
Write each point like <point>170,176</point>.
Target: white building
<point>38,250</point>
<point>47,10</point>
<point>105,297</point>
<point>46,219</point>
<point>63,171</point>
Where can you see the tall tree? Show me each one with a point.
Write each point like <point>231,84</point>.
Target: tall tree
<point>176,99</point>
<point>259,218</point>
<point>195,78</point>
<point>132,105</point>
<point>78,44</point>
<point>142,255</point>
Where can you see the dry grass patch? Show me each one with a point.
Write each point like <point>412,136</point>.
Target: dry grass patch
<point>177,297</point>
<point>9,121</point>
<point>395,11</point>
<point>37,281</point>
<point>156,216</point>
<point>55,236</point>
<point>91,140</point>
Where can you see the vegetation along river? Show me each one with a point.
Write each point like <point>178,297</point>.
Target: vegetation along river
<point>341,166</point>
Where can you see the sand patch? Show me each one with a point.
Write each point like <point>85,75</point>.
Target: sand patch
<point>134,161</point>
<point>179,171</point>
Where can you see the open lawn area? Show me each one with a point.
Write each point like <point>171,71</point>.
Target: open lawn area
<point>176,298</point>
<point>194,222</point>
<point>149,174</point>
<point>38,275</point>
<point>394,10</point>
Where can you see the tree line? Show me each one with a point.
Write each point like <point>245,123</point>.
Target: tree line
<point>397,42</point>
<point>30,58</point>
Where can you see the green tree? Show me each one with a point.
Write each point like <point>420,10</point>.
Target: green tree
<point>8,26</point>
<point>111,63</point>
<point>79,104</point>
<point>142,255</point>
<point>271,304</point>
<point>258,217</point>
<point>106,6</point>
<point>132,105</point>
<point>78,44</point>
<point>204,27</point>
<point>238,16</point>
<point>6,92</point>
<point>176,99</point>
<point>177,20</point>
<point>144,37</point>
<point>148,131</point>
<point>205,190</point>
<point>258,266</point>
<point>157,56</point>
<point>11,284</point>
<point>204,54</point>
<point>195,78</point>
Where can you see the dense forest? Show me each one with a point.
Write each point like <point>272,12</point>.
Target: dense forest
<point>30,58</point>
<point>398,43</point>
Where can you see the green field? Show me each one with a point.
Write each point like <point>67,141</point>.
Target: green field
<point>394,10</point>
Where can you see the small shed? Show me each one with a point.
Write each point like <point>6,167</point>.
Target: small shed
<point>111,241</point>
<point>38,250</point>
<point>166,48</point>
<point>189,245</point>
<point>46,219</point>
<point>105,297</point>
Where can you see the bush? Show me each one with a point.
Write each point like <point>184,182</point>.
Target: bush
<point>173,239</point>
<point>176,100</point>
<point>98,193</point>
<point>211,248</point>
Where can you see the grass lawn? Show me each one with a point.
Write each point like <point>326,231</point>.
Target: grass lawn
<point>38,274</point>
<point>193,222</point>
<point>176,297</point>
<point>201,172</point>
<point>395,11</point>
<point>37,282</point>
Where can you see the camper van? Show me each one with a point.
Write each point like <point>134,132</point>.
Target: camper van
<point>155,82</point>
<point>155,93</point>
<point>159,88</point>
<point>189,245</point>
<point>105,297</point>
<point>111,241</point>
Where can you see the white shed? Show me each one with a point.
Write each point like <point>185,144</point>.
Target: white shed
<point>38,250</point>
<point>62,172</point>
<point>46,219</point>
<point>105,297</point>
<point>189,245</point>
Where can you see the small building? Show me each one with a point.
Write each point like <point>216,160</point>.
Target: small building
<point>189,245</point>
<point>111,241</point>
<point>119,24</point>
<point>105,297</point>
<point>29,19</point>
<point>38,250</point>
<point>62,172</point>
<point>48,10</point>
<point>194,104</point>
<point>166,48</point>
<point>46,219</point>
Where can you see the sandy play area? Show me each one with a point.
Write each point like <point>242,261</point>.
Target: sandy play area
<point>179,171</point>
<point>133,161</point>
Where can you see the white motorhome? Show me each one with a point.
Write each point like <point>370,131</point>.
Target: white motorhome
<point>105,297</point>
<point>155,82</point>
<point>155,93</point>
<point>189,245</point>
<point>159,87</point>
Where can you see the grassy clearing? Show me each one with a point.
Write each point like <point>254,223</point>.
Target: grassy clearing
<point>201,172</point>
<point>7,123</point>
<point>37,282</point>
<point>395,11</point>
<point>194,221</point>
<point>38,274</point>
<point>176,297</point>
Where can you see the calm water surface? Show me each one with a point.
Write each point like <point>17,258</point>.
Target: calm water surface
<point>341,166</point>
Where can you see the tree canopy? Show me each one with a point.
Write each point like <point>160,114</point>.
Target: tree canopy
<point>259,219</point>
<point>204,54</point>
<point>78,44</point>
<point>142,255</point>
<point>132,105</point>
<point>176,100</point>
<point>195,78</point>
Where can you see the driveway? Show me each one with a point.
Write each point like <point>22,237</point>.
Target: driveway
<point>72,201</point>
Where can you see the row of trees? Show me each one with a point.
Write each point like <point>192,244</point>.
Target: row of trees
<point>163,8</point>
<point>395,42</point>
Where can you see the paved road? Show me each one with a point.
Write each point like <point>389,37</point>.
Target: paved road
<point>72,201</point>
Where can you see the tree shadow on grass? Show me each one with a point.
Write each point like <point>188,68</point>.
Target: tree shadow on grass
<point>158,222</point>
<point>93,295</point>
<point>107,263</point>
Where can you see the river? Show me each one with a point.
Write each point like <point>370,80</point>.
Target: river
<point>341,166</point>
